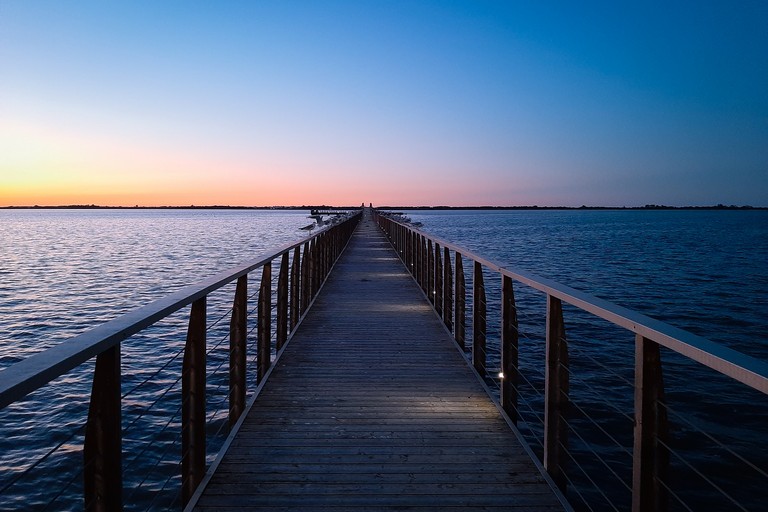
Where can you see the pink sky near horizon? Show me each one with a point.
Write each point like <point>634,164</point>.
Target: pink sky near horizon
<point>53,168</point>
<point>402,103</point>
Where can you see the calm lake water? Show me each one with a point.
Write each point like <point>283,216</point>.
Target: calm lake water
<point>64,271</point>
<point>702,271</point>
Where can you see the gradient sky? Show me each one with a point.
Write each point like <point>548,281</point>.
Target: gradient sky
<point>392,102</point>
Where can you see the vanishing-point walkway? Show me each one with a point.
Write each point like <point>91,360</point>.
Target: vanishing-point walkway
<point>372,407</point>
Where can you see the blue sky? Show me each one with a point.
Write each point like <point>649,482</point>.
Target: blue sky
<point>451,102</point>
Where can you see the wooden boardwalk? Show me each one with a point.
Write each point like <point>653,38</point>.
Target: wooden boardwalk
<point>372,407</point>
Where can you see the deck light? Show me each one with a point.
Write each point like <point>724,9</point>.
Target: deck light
<point>501,375</point>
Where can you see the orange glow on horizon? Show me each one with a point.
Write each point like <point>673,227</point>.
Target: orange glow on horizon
<point>206,195</point>
<point>47,167</point>
<point>200,194</point>
<point>239,188</point>
<point>161,191</point>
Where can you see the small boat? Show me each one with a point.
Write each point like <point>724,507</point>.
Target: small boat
<point>309,227</point>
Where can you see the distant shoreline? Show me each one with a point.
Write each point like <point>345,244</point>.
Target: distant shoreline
<point>326,207</point>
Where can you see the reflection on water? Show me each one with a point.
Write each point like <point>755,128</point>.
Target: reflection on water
<point>64,271</point>
<point>68,270</point>
<point>703,271</point>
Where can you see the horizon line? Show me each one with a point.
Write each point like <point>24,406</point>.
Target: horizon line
<point>719,206</point>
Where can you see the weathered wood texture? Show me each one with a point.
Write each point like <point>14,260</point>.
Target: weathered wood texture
<point>372,407</point>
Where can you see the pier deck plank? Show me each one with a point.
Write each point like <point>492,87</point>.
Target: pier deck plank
<point>372,407</point>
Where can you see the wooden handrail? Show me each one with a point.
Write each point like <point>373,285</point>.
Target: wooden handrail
<point>650,457</point>
<point>103,442</point>
<point>20,379</point>
<point>741,367</point>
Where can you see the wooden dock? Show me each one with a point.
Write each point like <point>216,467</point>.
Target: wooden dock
<point>372,406</point>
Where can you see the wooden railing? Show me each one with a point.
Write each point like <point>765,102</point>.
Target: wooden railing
<point>432,261</point>
<point>303,266</point>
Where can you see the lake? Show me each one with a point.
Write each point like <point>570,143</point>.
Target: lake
<point>64,271</point>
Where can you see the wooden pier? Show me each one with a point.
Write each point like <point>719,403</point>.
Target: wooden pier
<point>371,403</point>
<point>372,406</point>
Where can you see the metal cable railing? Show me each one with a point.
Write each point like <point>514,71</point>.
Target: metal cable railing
<point>609,436</point>
<point>164,456</point>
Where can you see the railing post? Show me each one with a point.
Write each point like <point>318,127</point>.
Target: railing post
<point>447,290</point>
<point>282,302</point>
<point>410,251</point>
<point>323,240</point>
<point>406,248</point>
<point>312,262</point>
<point>555,393</point>
<point>263,348</point>
<point>338,241</point>
<point>424,265</point>
<point>238,330</point>
<point>401,243</point>
<point>438,278</point>
<point>409,246</point>
<point>193,402</point>
<point>404,234</point>
<point>295,288</point>
<point>332,244</point>
<point>398,232</point>
<point>478,320</point>
<point>429,282</point>
<point>317,262</point>
<point>459,331</point>
<point>305,278</point>
<point>323,246</point>
<point>419,263</point>
<point>398,241</point>
<point>333,239</point>
<point>309,257</point>
<point>509,349</point>
<point>650,458</point>
<point>102,449</point>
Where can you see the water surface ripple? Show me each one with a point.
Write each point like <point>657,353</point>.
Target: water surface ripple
<point>65,271</point>
<point>703,271</point>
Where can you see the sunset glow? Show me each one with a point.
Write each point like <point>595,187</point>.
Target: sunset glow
<point>402,103</point>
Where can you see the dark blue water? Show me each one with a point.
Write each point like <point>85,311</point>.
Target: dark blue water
<point>62,272</point>
<point>702,271</point>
